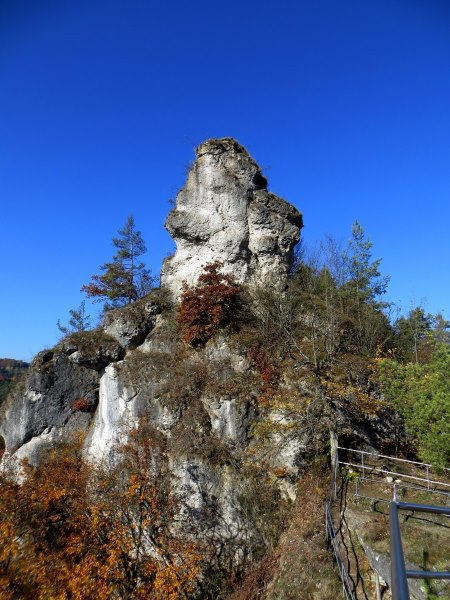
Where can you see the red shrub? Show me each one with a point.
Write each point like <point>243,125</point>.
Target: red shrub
<point>208,307</point>
<point>82,405</point>
<point>267,371</point>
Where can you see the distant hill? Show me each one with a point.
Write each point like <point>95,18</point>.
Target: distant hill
<point>10,371</point>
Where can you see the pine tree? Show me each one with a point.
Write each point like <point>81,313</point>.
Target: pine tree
<point>361,291</point>
<point>125,279</point>
<point>364,276</point>
<point>79,320</point>
<point>412,333</point>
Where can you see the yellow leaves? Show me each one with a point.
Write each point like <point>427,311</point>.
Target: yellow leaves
<point>178,577</point>
<point>134,486</point>
<point>286,401</point>
<point>361,399</point>
<point>71,532</point>
<point>55,495</point>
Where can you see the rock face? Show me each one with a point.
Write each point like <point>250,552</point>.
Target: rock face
<point>56,399</point>
<point>225,213</point>
<point>130,325</point>
<point>199,403</point>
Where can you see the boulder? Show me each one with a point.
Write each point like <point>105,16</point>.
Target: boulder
<point>130,325</point>
<point>93,349</point>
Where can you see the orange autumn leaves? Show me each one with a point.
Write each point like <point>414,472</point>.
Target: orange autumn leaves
<point>72,532</point>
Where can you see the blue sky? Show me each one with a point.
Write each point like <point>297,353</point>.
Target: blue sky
<point>345,104</point>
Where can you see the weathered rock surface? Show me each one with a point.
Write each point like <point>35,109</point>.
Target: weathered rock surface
<point>115,412</point>
<point>225,213</point>
<point>129,389</point>
<point>200,404</point>
<point>131,324</point>
<point>231,418</point>
<point>56,398</point>
<point>92,349</point>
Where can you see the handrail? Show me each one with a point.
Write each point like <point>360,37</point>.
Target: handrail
<point>332,537</point>
<point>386,472</point>
<point>364,468</point>
<point>405,484</point>
<point>399,581</point>
<point>396,487</point>
<point>393,458</point>
<point>399,573</point>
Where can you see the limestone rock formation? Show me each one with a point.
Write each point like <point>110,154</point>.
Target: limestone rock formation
<point>200,405</point>
<point>232,432</point>
<point>104,381</point>
<point>131,324</point>
<point>224,212</point>
<point>43,407</point>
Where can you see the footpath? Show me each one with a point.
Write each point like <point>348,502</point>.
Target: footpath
<point>358,524</point>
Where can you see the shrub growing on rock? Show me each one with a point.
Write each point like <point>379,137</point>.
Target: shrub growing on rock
<point>211,305</point>
<point>72,530</point>
<point>83,405</point>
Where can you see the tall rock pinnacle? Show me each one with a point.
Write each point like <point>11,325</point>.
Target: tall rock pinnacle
<point>224,212</point>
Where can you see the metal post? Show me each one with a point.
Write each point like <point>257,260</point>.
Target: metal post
<point>399,582</point>
<point>335,475</point>
<point>377,585</point>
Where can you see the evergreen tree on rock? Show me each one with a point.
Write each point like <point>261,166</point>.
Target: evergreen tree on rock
<point>125,279</point>
<point>79,321</point>
<point>364,277</point>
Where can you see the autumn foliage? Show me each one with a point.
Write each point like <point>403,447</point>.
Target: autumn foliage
<point>267,372</point>
<point>83,405</point>
<point>74,532</point>
<point>208,307</point>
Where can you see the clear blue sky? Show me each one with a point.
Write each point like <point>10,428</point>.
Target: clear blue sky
<point>345,103</point>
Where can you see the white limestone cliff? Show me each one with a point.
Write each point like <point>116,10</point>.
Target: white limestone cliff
<point>225,213</point>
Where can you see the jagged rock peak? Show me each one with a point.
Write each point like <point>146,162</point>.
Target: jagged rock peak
<point>224,212</point>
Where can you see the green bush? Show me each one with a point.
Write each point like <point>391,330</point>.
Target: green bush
<point>421,393</point>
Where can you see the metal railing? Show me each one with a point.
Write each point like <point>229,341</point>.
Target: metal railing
<point>399,573</point>
<point>365,469</point>
<point>347,588</point>
<point>332,537</point>
<point>427,466</point>
<point>396,487</point>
